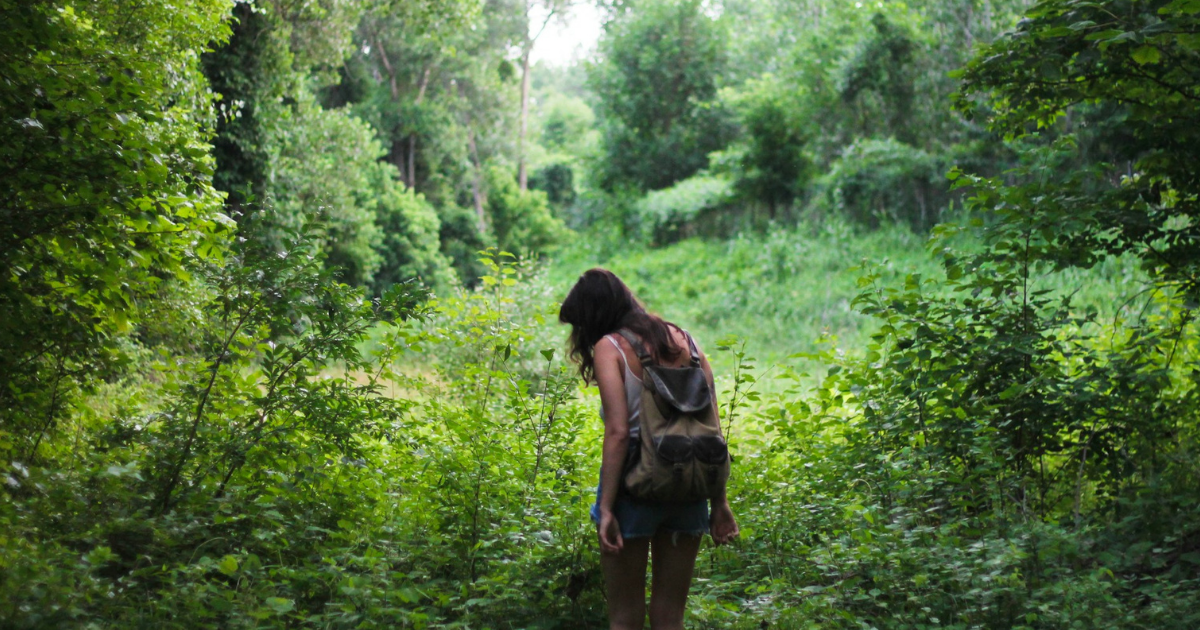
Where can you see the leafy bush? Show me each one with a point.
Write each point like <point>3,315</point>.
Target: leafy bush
<point>567,125</point>
<point>557,181</point>
<point>107,197</point>
<point>657,79</point>
<point>230,463</point>
<point>322,162</point>
<point>410,246</point>
<point>276,147</point>
<point>268,476</point>
<point>877,181</point>
<point>773,167</point>
<point>461,241</point>
<point>670,214</point>
<point>521,221</point>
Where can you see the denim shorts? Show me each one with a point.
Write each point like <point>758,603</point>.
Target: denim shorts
<point>640,519</point>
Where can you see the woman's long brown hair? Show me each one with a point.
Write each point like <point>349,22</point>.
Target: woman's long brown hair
<point>600,304</point>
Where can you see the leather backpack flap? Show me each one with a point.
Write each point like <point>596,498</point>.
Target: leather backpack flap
<point>685,388</point>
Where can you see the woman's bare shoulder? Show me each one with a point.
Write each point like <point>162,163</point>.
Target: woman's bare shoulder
<point>604,348</point>
<point>679,338</point>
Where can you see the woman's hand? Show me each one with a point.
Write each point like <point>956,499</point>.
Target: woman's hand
<point>722,526</point>
<point>610,533</point>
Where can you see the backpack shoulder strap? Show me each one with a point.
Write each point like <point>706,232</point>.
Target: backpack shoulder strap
<point>638,347</point>
<point>692,348</point>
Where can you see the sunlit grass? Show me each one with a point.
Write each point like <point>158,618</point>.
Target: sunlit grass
<point>790,291</point>
<point>783,292</point>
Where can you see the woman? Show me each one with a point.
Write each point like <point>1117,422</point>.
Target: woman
<point>630,529</point>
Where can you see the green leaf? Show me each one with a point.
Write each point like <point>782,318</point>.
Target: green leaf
<point>1181,7</point>
<point>1191,41</point>
<point>280,605</point>
<point>1103,35</point>
<point>1012,391</point>
<point>228,565</point>
<point>1146,55</point>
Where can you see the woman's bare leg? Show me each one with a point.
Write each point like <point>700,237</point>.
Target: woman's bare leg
<point>625,584</point>
<point>673,564</point>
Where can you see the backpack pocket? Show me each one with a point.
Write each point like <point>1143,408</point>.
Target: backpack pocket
<point>669,468</point>
<point>710,449</point>
<point>712,464</point>
<point>675,449</point>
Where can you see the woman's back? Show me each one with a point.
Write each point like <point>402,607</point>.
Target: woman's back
<point>629,529</point>
<point>678,339</point>
<point>632,372</point>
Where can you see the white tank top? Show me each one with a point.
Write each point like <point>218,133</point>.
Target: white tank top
<point>633,391</point>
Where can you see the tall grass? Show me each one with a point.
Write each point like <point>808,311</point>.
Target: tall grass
<point>782,291</point>
<point>790,290</point>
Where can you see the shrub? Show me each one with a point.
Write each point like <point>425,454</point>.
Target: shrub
<point>670,214</point>
<point>557,181</point>
<point>656,79</point>
<point>886,180</point>
<point>773,166</point>
<point>521,221</point>
<point>410,246</point>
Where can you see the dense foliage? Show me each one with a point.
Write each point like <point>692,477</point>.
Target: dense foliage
<point>810,108</point>
<point>658,82</point>
<point>104,205</point>
<point>265,359</point>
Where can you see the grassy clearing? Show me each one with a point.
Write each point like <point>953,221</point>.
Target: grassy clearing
<point>790,291</point>
<point>782,292</point>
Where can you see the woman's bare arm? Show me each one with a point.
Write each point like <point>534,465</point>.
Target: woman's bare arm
<point>610,379</point>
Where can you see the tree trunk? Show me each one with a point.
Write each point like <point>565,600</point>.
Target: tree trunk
<point>404,166</point>
<point>412,138</point>
<point>397,155</point>
<point>522,174</point>
<point>477,182</point>
<point>410,178</point>
<point>526,53</point>
<point>387,66</point>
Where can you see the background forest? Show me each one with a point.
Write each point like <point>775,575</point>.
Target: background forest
<point>279,284</point>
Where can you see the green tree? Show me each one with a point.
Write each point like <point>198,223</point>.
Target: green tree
<point>878,82</point>
<point>520,220</point>
<point>1140,58</point>
<point>1023,419</point>
<point>442,92</point>
<point>320,169</point>
<point>774,166</point>
<point>410,246</point>
<point>566,140</point>
<point>656,80</point>
<point>277,147</point>
<point>533,29</point>
<point>273,51</point>
<point>108,188</point>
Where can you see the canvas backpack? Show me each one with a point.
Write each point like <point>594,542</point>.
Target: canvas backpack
<point>679,454</point>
